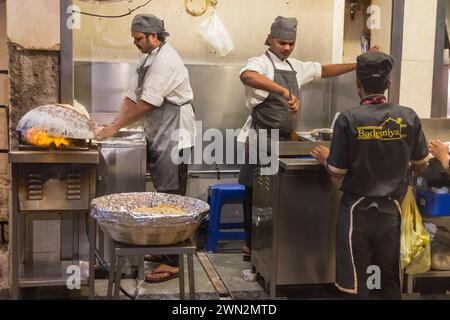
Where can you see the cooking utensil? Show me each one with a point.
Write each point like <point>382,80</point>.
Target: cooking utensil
<point>325,134</point>
<point>294,135</point>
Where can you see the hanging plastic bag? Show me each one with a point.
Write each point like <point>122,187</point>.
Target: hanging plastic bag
<point>415,239</point>
<point>213,31</point>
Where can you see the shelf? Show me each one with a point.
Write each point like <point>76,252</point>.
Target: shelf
<point>432,274</point>
<point>43,274</point>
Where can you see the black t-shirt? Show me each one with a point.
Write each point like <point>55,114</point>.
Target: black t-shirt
<point>373,146</point>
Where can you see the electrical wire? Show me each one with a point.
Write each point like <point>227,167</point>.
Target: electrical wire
<point>111,17</point>
<point>107,271</point>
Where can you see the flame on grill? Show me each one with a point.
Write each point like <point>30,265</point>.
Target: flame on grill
<point>39,137</point>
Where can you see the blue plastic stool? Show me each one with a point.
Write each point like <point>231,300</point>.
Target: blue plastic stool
<point>219,194</point>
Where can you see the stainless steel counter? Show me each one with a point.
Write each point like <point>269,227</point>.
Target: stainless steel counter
<point>294,224</point>
<point>299,164</point>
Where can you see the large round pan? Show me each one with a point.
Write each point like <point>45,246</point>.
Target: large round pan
<point>58,121</point>
<point>114,213</point>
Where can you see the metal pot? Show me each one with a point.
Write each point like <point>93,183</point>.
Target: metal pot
<point>325,134</point>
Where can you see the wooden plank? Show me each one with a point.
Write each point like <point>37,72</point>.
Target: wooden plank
<point>4,201</point>
<point>4,165</point>
<point>213,276</point>
<point>3,40</point>
<point>4,141</point>
<point>4,89</point>
<point>4,185</point>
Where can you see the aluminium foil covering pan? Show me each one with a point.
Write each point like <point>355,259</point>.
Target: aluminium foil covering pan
<point>121,217</point>
<point>58,120</point>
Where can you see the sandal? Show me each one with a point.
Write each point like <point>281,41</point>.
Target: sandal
<point>152,278</point>
<point>247,256</point>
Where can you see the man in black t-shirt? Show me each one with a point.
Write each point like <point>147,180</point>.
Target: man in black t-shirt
<point>372,148</point>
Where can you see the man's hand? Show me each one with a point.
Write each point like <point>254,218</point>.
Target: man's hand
<point>293,101</point>
<point>321,154</point>
<point>106,132</point>
<point>440,151</point>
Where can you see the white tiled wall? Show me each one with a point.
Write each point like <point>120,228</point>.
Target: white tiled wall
<point>418,55</point>
<point>416,86</point>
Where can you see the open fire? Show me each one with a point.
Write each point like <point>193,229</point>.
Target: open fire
<point>40,137</point>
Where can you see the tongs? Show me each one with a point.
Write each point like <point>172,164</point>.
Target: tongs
<point>294,135</point>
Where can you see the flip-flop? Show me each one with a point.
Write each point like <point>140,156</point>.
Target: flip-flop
<point>171,275</point>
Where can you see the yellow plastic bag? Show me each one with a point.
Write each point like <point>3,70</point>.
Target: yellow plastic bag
<point>414,240</point>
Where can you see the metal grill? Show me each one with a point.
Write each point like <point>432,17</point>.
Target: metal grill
<point>56,186</point>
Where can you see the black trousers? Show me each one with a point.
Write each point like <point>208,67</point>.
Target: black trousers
<point>376,242</point>
<point>172,260</point>
<point>248,203</point>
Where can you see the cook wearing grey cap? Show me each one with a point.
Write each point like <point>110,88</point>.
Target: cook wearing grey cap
<point>142,28</point>
<point>148,23</point>
<point>160,94</point>
<point>284,29</point>
<point>282,37</point>
<point>272,86</point>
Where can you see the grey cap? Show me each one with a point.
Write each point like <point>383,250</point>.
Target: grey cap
<point>284,29</point>
<point>148,23</point>
<point>374,65</point>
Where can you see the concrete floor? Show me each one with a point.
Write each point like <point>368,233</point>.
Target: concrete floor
<point>229,264</point>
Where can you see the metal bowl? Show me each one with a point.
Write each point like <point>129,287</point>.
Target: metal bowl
<point>325,134</point>
<point>114,213</point>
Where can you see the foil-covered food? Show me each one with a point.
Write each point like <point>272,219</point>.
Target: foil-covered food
<point>57,120</point>
<point>148,218</point>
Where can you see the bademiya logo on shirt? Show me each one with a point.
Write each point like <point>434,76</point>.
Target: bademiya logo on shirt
<point>390,129</point>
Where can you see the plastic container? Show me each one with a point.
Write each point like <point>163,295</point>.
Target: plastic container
<point>433,204</point>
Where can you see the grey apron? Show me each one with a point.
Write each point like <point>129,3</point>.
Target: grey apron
<point>159,124</point>
<point>272,113</point>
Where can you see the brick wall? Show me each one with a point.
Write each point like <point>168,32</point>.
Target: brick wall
<point>4,142</point>
<point>4,103</point>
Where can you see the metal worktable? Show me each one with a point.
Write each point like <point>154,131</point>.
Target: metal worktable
<point>294,223</point>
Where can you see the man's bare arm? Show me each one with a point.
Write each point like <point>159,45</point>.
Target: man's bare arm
<point>334,70</point>
<point>258,81</point>
<point>129,113</point>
